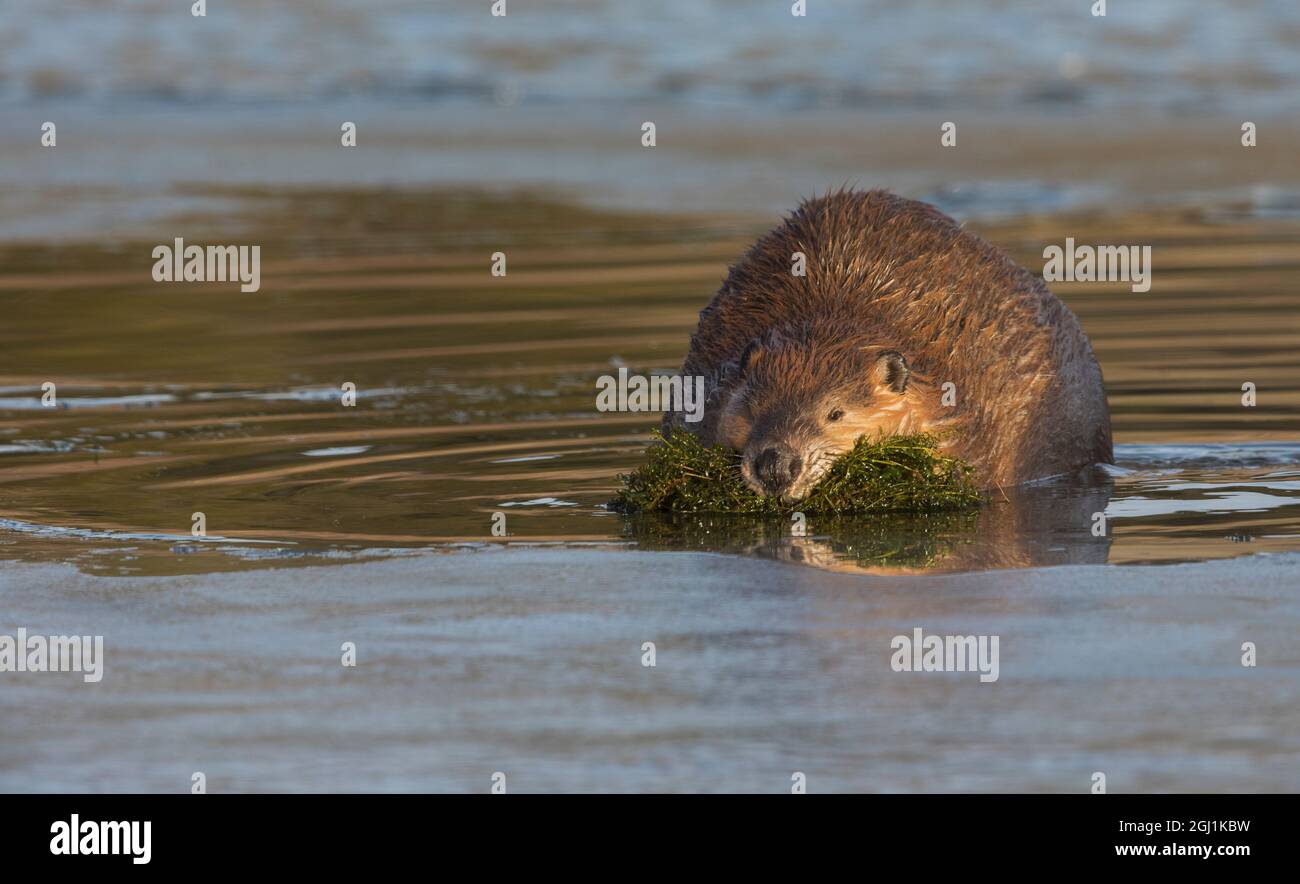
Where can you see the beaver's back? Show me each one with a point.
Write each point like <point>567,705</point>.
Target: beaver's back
<point>1030,400</point>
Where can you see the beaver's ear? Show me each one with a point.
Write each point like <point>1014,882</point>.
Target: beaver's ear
<point>890,371</point>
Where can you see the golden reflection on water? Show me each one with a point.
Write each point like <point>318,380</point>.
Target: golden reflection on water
<point>476,393</point>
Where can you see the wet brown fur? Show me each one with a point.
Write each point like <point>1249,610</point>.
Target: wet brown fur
<point>890,274</point>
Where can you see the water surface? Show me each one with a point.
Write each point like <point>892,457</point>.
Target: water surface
<point>476,394</point>
<point>326,524</point>
<point>1164,55</point>
<point>528,662</point>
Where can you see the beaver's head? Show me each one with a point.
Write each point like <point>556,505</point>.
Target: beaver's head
<point>798,402</point>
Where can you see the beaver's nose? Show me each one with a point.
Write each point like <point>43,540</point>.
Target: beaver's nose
<point>776,469</point>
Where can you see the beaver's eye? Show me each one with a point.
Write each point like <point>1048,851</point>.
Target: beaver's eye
<point>835,415</point>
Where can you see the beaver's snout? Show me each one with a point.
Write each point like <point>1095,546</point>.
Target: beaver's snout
<point>776,470</point>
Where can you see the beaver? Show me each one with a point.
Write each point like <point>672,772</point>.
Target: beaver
<point>896,302</point>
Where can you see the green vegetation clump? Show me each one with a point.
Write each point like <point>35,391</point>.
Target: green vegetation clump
<point>889,475</point>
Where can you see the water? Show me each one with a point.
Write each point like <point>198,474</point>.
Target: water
<point>1163,55</point>
<point>165,120</point>
<point>475,395</point>
<point>528,662</point>
<point>371,524</point>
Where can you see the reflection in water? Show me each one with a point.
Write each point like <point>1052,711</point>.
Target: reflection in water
<point>1049,523</point>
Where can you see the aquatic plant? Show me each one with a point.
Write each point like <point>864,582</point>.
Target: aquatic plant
<point>886,475</point>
